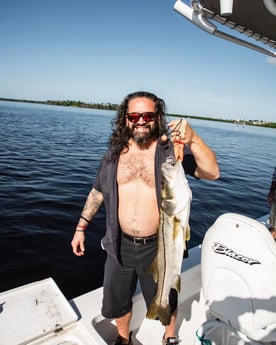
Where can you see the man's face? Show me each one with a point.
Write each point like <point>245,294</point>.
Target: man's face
<point>143,131</point>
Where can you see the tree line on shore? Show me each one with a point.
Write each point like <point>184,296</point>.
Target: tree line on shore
<point>112,106</point>
<point>67,103</point>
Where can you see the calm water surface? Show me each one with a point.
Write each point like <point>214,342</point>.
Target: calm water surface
<point>49,158</point>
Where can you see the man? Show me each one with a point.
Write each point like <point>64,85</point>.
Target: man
<point>129,184</point>
<point>272,202</point>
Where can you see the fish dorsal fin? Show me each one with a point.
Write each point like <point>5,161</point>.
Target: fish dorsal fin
<point>177,283</point>
<point>153,269</point>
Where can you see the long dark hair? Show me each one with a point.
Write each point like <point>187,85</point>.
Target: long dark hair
<point>120,134</point>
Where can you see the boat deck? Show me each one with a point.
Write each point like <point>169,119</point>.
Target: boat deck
<point>148,331</point>
<point>59,324</point>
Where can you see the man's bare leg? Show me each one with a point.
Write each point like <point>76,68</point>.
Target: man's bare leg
<point>170,329</point>
<point>123,326</point>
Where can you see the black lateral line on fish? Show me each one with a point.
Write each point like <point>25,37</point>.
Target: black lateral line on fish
<point>165,263</point>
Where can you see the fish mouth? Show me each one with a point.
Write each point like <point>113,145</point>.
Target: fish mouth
<point>170,171</point>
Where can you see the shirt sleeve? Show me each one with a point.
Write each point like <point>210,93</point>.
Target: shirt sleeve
<point>97,181</point>
<point>189,164</point>
<point>274,175</point>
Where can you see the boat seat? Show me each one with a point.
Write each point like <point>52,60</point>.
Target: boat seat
<point>238,272</point>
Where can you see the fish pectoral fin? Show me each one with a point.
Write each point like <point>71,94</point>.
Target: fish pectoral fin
<point>153,269</point>
<point>176,283</point>
<point>186,235</point>
<point>158,312</point>
<point>176,227</point>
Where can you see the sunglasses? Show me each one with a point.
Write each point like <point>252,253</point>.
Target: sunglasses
<point>147,116</point>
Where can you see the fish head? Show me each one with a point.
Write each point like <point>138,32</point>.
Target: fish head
<point>176,193</point>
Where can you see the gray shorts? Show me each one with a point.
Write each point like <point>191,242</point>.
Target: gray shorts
<point>120,279</point>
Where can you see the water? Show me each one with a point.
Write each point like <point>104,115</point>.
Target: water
<point>49,158</point>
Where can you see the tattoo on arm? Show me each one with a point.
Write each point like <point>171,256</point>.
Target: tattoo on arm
<point>93,203</point>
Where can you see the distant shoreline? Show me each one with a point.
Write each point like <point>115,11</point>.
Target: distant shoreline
<point>112,106</point>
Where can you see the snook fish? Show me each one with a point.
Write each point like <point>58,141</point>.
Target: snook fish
<point>173,230</point>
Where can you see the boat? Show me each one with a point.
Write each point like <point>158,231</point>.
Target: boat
<point>237,254</point>
<point>228,293</point>
<point>254,21</point>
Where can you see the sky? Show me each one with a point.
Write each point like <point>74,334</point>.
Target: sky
<point>100,51</point>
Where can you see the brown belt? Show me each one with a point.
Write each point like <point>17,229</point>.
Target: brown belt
<point>139,240</point>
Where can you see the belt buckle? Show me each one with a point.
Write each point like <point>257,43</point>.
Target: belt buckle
<point>139,240</point>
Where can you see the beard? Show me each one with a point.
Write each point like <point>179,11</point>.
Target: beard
<point>144,139</point>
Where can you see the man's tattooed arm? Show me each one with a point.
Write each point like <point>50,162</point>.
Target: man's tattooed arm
<point>91,206</point>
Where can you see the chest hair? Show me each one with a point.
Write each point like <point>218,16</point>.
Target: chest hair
<point>138,167</point>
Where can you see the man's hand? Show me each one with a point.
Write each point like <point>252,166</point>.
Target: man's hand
<point>78,243</point>
<point>181,131</point>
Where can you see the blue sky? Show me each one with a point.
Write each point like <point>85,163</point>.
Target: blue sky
<point>99,51</point>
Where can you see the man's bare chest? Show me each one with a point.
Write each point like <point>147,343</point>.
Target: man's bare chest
<point>134,168</point>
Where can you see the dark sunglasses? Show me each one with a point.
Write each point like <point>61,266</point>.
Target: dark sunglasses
<point>147,116</point>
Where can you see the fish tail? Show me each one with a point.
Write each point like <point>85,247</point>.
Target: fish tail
<point>158,312</point>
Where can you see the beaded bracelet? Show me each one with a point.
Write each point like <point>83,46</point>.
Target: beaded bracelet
<point>79,230</point>
<point>82,217</point>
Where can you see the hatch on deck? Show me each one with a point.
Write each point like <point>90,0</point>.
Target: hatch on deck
<point>39,313</point>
